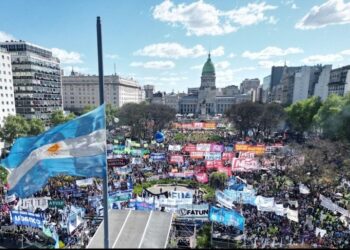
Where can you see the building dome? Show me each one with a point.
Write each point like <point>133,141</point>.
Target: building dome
<point>208,68</point>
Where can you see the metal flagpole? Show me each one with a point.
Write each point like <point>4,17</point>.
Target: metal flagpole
<point>104,171</point>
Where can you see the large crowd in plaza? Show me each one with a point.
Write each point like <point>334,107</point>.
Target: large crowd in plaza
<point>132,163</point>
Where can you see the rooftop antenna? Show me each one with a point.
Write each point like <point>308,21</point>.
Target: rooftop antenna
<point>285,62</point>
<point>115,72</point>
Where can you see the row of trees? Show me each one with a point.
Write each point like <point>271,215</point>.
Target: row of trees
<point>330,118</point>
<point>145,119</point>
<point>259,118</point>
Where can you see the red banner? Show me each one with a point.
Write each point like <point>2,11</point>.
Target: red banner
<point>227,156</point>
<point>176,159</point>
<point>213,164</point>
<point>244,164</point>
<point>196,155</point>
<point>189,148</point>
<point>202,177</point>
<point>226,170</point>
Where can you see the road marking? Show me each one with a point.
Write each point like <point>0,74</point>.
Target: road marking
<point>121,230</point>
<point>144,232</point>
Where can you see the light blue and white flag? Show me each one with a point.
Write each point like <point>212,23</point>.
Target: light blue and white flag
<point>76,148</point>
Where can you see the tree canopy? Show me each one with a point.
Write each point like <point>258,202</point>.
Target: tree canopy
<point>58,117</point>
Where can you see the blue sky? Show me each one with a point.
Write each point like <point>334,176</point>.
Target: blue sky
<point>165,43</point>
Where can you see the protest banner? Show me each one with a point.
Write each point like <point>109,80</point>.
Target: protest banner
<point>228,148</point>
<point>329,204</point>
<point>211,156</point>
<point>209,125</point>
<point>196,155</point>
<point>123,170</point>
<point>246,155</point>
<point>213,164</point>
<point>204,147</point>
<point>226,217</point>
<point>33,203</point>
<point>217,148</point>
<point>303,189</point>
<point>227,156</point>
<point>56,204</point>
<point>195,211</point>
<point>174,148</point>
<point>22,218</point>
<point>176,159</point>
<point>136,161</point>
<point>187,126</point>
<point>224,200</point>
<point>244,164</point>
<point>292,214</point>
<point>246,196</point>
<point>320,232</point>
<point>185,174</point>
<point>117,162</point>
<point>158,156</point>
<point>265,204</point>
<point>257,149</point>
<point>85,182</point>
<point>202,177</point>
<point>198,125</point>
<point>189,148</point>
<point>10,198</point>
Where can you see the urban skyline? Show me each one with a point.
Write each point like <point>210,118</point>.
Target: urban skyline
<point>245,38</point>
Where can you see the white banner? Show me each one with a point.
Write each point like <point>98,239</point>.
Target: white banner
<point>10,198</point>
<point>328,203</point>
<point>210,156</point>
<point>248,155</point>
<point>303,189</point>
<point>205,147</point>
<point>174,148</point>
<point>224,200</point>
<point>136,160</point>
<point>265,204</point>
<point>33,203</point>
<point>244,164</point>
<point>320,231</point>
<point>292,215</point>
<point>85,182</point>
<point>193,211</point>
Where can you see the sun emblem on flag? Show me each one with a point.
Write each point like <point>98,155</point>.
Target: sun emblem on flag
<point>53,149</point>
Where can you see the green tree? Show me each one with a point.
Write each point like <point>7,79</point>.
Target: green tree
<point>203,237</point>
<point>329,117</point>
<point>217,180</point>
<point>111,113</point>
<point>301,114</point>
<point>272,115</point>
<point>246,116</point>
<point>36,126</point>
<point>14,127</point>
<point>88,108</point>
<point>58,117</point>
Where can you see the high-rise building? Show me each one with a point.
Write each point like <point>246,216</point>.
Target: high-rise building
<point>172,100</point>
<point>266,89</point>
<point>339,81</point>
<point>36,79</point>
<point>7,97</point>
<point>80,91</point>
<point>249,84</point>
<point>321,87</point>
<point>149,89</point>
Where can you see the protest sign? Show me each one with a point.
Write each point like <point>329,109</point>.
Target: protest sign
<point>214,164</point>
<point>223,199</point>
<point>244,164</point>
<point>10,198</point>
<point>33,203</point>
<point>56,203</point>
<point>196,155</point>
<point>227,156</point>
<point>189,148</point>
<point>158,156</point>
<point>85,182</point>
<point>198,212</point>
<point>211,156</point>
<point>204,147</point>
<point>22,218</point>
<point>176,159</point>
<point>216,148</point>
<point>202,177</point>
<point>198,125</point>
<point>265,204</point>
<point>174,148</point>
<point>226,217</point>
<point>292,214</point>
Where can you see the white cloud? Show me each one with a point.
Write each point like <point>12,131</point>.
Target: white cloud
<point>224,77</point>
<point>154,64</point>
<point>269,52</point>
<point>323,59</point>
<point>330,13</point>
<point>67,57</point>
<point>290,3</point>
<point>176,50</point>
<point>231,55</point>
<point>243,69</point>
<point>200,18</point>
<point>345,52</point>
<point>222,65</point>
<point>196,67</point>
<point>112,56</point>
<point>294,6</point>
<point>251,14</point>
<point>219,51</point>
<point>268,64</point>
<point>6,37</point>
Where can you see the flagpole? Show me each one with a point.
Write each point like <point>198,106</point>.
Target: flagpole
<point>104,171</point>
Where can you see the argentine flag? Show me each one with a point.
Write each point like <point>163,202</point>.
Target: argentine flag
<point>76,148</point>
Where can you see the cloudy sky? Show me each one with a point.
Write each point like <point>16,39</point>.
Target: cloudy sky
<point>165,43</point>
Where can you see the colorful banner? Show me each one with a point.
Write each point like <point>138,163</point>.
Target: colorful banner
<point>56,204</point>
<point>202,177</point>
<point>226,217</point>
<point>210,125</point>
<point>204,147</point>
<point>228,148</point>
<point>174,148</point>
<point>196,155</point>
<point>213,164</point>
<point>211,156</point>
<point>158,156</point>
<point>265,204</point>
<point>33,203</point>
<point>198,125</point>
<point>198,212</point>
<point>249,155</point>
<point>176,159</point>
<point>258,149</point>
<point>224,200</point>
<point>10,198</point>
<point>246,196</point>
<point>227,156</point>
<point>85,182</point>
<point>117,162</point>
<point>136,161</point>
<point>185,174</point>
<point>123,170</point>
<point>244,164</point>
<point>216,148</point>
<point>22,218</point>
<point>189,148</point>
<point>226,170</point>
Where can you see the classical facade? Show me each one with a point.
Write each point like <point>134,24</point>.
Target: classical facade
<point>80,91</point>
<point>207,99</point>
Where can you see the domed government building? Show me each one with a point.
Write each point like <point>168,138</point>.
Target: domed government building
<point>207,99</point>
